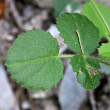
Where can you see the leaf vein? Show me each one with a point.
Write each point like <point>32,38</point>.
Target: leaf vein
<point>80,42</point>
<point>38,58</point>
<point>103,19</point>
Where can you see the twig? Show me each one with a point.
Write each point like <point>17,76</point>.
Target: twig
<point>109,84</point>
<point>74,102</point>
<point>109,90</point>
<point>21,97</point>
<point>15,13</point>
<point>92,100</point>
<point>30,100</point>
<point>17,96</point>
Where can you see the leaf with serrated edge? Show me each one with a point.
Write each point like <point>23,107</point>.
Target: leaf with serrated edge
<point>79,32</point>
<point>99,15</point>
<point>80,64</point>
<point>33,60</point>
<point>104,50</point>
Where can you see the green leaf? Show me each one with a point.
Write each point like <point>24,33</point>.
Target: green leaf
<point>104,50</point>
<point>79,32</point>
<point>84,0</point>
<point>61,6</point>
<point>86,66</point>
<point>93,62</point>
<point>99,15</point>
<point>33,60</point>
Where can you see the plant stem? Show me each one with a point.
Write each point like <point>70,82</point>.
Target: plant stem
<point>102,60</point>
<point>99,59</point>
<point>65,56</point>
<point>92,100</point>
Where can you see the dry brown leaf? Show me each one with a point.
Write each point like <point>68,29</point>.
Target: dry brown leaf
<point>2,8</point>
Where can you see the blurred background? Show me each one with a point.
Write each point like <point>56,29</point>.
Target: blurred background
<point>17,16</point>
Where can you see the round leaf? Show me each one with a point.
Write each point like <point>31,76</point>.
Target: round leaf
<point>79,32</point>
<point>33,60</point>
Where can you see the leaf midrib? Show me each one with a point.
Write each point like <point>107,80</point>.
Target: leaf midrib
<point>34,59</point>
<point>88,71</point>
<point>81,47</point>
<point>101,16</point>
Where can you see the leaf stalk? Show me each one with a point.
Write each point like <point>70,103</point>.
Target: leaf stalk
<point>65,56</point>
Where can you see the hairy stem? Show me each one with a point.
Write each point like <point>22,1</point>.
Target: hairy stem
<point>102,60</point>
<point>65,56</point>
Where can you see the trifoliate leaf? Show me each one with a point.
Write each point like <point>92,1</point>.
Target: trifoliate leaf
<point>99,15</point>
<point>33,60</point>
<point>61,6</point>
<point>104,50</point>
<point>86,66</point>
<point>79,32</point>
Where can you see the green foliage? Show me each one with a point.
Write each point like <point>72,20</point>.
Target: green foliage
<point>104,54</point>
<point>104,50</point>
<point>84,0</point>
<point>33,60</point>
<point>77,34</point>
<point>99,15</point>
<point>86,76</point>
<point>61,6</point>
